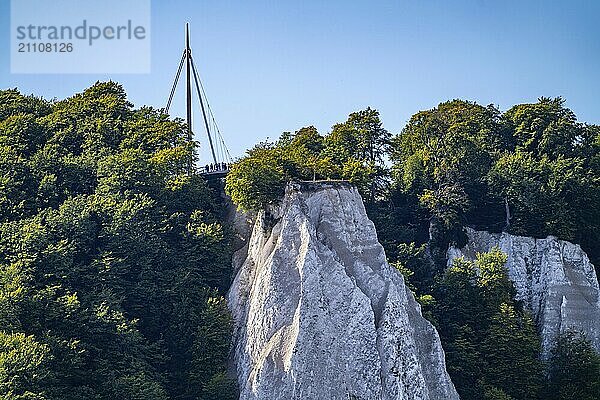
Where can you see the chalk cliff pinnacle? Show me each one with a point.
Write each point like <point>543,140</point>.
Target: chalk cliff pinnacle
<point>318,312</point>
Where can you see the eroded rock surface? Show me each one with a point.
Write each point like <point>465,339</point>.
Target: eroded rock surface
<point>554,279</point>
<point>319,314</point>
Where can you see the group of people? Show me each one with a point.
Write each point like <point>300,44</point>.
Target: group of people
<point>218,167</point>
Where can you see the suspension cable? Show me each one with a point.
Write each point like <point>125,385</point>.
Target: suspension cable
<point>196,79</point>
<point>209,120</point>
<point>175,82</point>
<point>212,116</point>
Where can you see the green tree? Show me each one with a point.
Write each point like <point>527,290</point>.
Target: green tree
<point>574,369</point>
<point>257,180</point>
<point>23,367</point>
<point>450,146</point>
<point>110,251</point>
<point>359,148</point>
<point>491,343</point>
<point>549,178</point>
<point>440,164</point>
<point>353,151</point>
<point>546,128</point>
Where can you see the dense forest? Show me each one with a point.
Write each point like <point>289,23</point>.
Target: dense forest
<point>533,170</point>
<point>115,257</point>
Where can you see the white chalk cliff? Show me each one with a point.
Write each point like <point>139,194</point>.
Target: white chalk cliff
<point>319,314</point>
<point>554,279</point>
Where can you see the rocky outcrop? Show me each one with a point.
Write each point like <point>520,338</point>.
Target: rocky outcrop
<point>319,314</point>
<point>554,279</point>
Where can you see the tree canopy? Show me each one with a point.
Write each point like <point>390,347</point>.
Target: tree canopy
<point>354,150</point>
<point>113,256</point>
<point>491,343</point>
<point>574,369</point>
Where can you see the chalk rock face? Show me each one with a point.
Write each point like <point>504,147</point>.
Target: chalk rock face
<point>554,279</point>
<point>319,314</point>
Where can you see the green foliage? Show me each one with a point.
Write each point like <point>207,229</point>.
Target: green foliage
<point>531,171</point>
<point>574,369</point>
<point>361,137</point>
<point>23,367</point>
<point>220,388</point>
<point>416,266</point>
<point>359,147</point>
<point>493,393</point>
<point>444,154</point>
<point>546,128</point>
<point>355,151</point>
<point>210,351</point>
<point>491,344</point>
<point>113,259</point>
<point>546,195</point>
<point>257,180</point>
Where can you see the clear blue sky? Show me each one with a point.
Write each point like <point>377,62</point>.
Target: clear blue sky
<point>274,66</point>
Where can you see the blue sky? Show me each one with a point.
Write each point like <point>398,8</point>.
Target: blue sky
<point>274,66</point>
